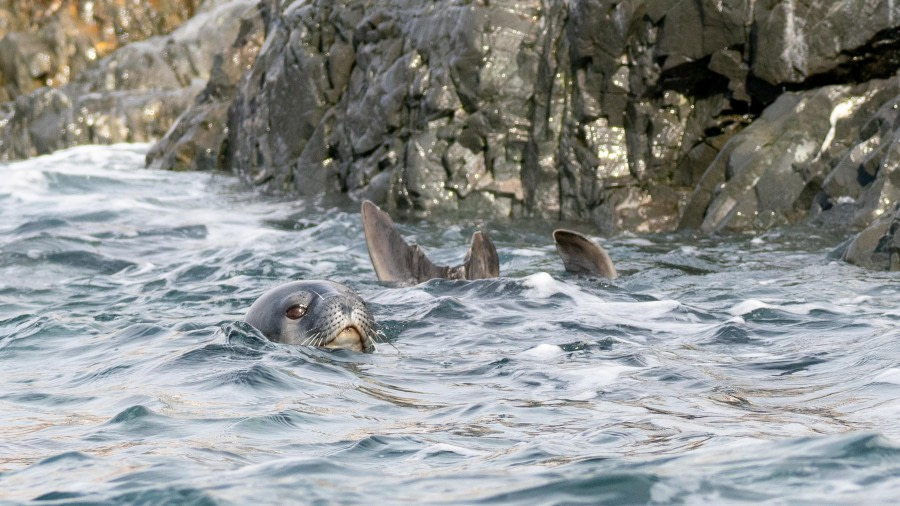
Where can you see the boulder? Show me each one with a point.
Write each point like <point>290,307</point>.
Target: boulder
<point>878,245</point>
<point>133,95</point>
<point>773,171</point>
<point>51,43</point>
<point>198,138</point>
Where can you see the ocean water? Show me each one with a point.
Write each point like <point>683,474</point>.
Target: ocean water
<point>742,369</point>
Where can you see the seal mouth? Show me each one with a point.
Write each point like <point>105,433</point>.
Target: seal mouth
<point>349,339</point>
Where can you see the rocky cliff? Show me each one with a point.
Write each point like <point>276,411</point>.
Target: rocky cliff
<point>133,94</point>
<point>717,115</point>
<point>642,116</point>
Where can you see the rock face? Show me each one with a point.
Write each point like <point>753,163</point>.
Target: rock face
<point>636,115</point>
<point>198,139</point>
<point>802,153</point>
<point>878,246</point>
<point>50,43</point>
<point>132,95</point>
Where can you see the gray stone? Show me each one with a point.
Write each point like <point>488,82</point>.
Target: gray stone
<point>52,43</point>
<point>878,246</point>
<point>198,138</point>
<point>770,172</point>
<point>633,114</point>
<point>133,95</point>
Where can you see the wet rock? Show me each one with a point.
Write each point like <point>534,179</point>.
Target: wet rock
<point>867,175</point>
<point>878,246</point>
<point>613,112</point>
<point>772,171</point>
<point>132,95</point>
<point>52,43</point>
<point>198,138</point>
<point>847,40</point>
<point>635,115</point>
<point>863,189</point>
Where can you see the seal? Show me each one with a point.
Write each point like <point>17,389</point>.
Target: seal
<point>330,315</point>
<point>314,313</point>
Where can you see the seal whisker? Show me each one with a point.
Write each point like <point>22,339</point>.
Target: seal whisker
<point>378,336</point>
<point>309,341</point>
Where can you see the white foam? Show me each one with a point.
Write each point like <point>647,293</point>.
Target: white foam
<point>590,309</point>
<point>891,375</point>
<point>586,382</point>
<point>542,286</point>
<point>800,308</point>
<point>324,268</point>
<point>637,241</point>
<point>747,306</point>
<point>401,296</point>
<point>439,448</point>
<point>640,311</point>
<point>523,252</point>
<point>859,299</point>
<point>543,351</point>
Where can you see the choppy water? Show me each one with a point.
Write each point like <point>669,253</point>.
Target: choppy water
<point>714,370</point>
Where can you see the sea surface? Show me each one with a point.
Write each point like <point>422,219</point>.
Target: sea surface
<point>740,369</point>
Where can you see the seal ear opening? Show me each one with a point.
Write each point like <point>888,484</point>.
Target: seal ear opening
<point>396,261</point>
<point>581,255</point>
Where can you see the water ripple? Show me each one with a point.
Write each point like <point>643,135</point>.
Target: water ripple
<point>714,370</point>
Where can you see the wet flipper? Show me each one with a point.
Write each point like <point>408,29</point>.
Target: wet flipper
<point>396,261</point>
<point>581,255</point>
<point>481,261</point>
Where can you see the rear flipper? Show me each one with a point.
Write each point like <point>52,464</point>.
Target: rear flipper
<point>581,255</point>
<point>396,261</point>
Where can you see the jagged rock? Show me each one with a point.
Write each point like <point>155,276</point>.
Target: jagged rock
<point>863,190</point>
<point>51,43</point>
<point>610,111</point>
<point>878,246</point>
<point>771,172</point>
<point>132,95</point>
<point>198,137</point>
<point>867,176</point>
<point>634,114</point>
<point>836,40</point>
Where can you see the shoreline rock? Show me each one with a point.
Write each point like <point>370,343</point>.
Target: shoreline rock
<point>132,95</point>
<point>634,115</point>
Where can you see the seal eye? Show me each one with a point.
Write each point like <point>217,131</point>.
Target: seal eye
<point>295,312</point>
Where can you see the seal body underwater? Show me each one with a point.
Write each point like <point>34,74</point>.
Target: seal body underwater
<point>314,313</point>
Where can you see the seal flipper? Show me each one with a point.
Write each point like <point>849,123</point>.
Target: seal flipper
<point>581,255</point>
<point>481,261</point>
<point>396,261</point>
<point>393,259</point>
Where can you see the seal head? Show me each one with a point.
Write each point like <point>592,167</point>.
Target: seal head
<point>314,313</point>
